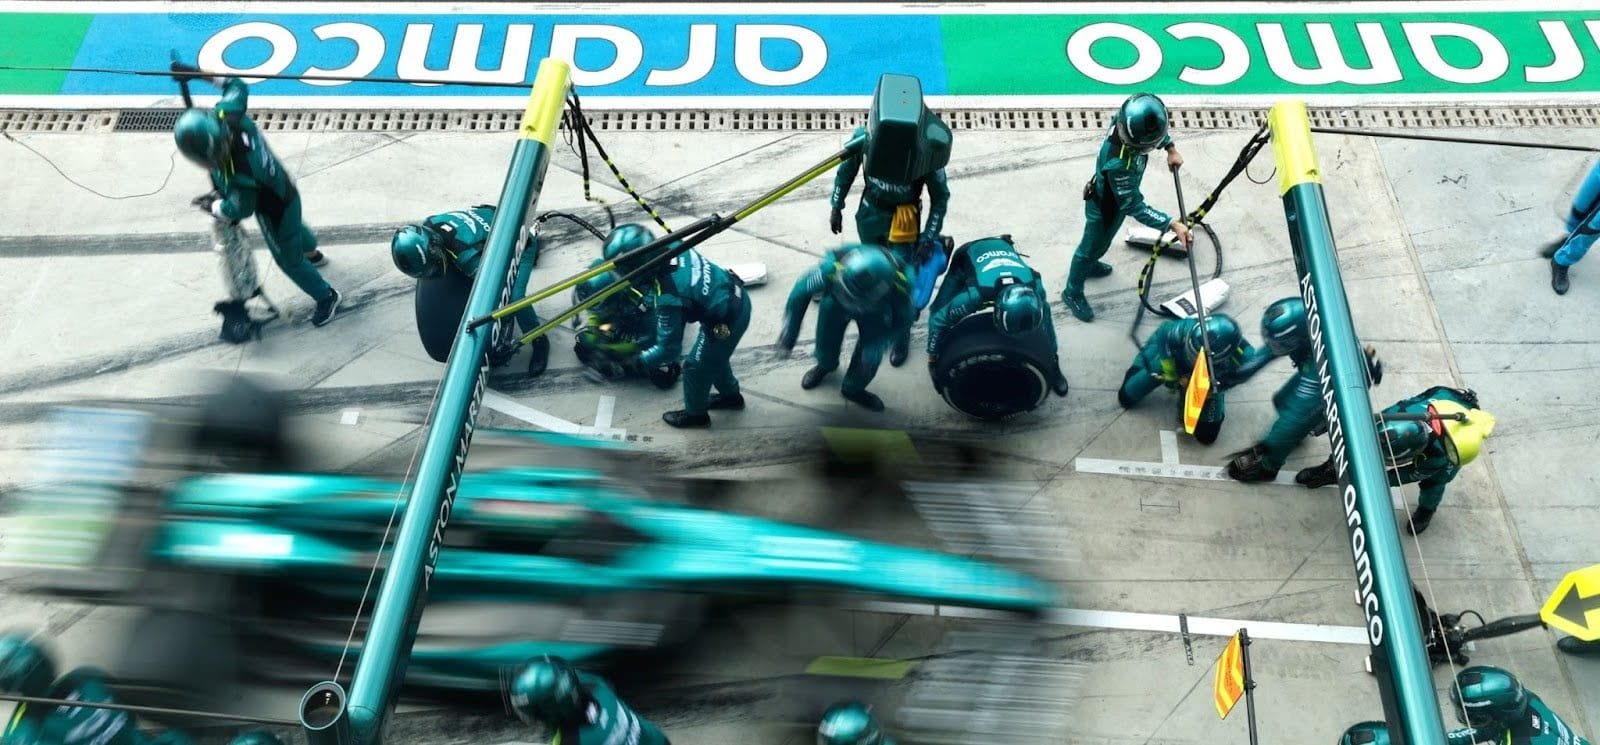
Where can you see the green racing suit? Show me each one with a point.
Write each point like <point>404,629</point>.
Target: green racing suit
<point>694,290</point>
<point>1537,726</point>
<point>1164,360</point>
<point>44,724</point>
<point>251,181</point>
<point>466,237</point>
<point>1111,195</point>
<point>877,327</point>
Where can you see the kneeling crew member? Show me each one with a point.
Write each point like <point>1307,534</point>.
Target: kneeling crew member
<point>1168,358</point>
<point>27,670</point>
<point>460,238</point>
<point>850,724</point>
<point>989,273</point>
<point>580,708</point>
<point>616,330</point>
<point>1496,709</point>
<point>1428,452</point>
<point>861,283</point>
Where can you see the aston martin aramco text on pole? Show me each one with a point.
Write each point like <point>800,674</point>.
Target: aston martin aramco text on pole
<point>814,54</point>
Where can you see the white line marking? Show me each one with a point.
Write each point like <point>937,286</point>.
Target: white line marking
<point>603,412</point>
<point>1169,447</point>
<point>350,416</point>
<point>1106,619</point>
<point>1163,470</point>
<point>545,421</point>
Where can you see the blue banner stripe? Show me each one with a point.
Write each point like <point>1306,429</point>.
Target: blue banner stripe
<point>725,56</point>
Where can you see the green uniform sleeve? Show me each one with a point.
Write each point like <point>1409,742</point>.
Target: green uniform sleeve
<point>968,302</point>
<point>1235,367</point>
<point>794,311</point>
<point>846,175</point>
<point>235,100</point>
<point>1253,362</point>
<point>1124,184</point>
<point>938,203</point>
<point>669,332</point>
<point>239,199</point>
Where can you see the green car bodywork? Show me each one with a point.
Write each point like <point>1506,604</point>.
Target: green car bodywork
<point>536,560</point>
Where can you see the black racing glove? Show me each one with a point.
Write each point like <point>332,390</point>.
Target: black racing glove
<point>836,221</point>
<point>1374,365</point>
<point>182,71</point>
<point>666,376</point>
<point>205,201</point>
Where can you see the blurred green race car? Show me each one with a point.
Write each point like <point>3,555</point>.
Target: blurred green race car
<point>264,571</point>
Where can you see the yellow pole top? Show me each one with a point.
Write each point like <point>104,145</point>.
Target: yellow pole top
<point>545,103</point>
<point>1291,146</point>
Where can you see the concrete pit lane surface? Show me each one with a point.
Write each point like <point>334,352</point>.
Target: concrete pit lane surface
<point>111,300</point>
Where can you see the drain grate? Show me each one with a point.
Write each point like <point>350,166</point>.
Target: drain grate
<point>149,120</point>
<point>733,120</point>
<point>57,121</point>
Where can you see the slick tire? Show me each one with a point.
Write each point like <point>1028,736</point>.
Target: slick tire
<point>441,302</point>
<point>177,659</point>
<point>242,423</point>
<point>990,376</point>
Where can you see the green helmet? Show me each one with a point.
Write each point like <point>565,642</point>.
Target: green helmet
<point>1142,122</point>
<point>848,724</point>
<point>547,690</point>
<point>1017,309</point>
<point>865,273</point>
<point>1484,695</point>
<point>1224,333</point>
<point>1284,326</point>
<point>415,250</point>
<point>1366,733</point>
<point>202,137</point>
<point>625,238</point>
<point>25,668</point>
<point>256,737</point>
<point>1399,437</point>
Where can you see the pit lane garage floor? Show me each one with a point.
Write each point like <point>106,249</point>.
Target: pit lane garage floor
<point>111,299</point>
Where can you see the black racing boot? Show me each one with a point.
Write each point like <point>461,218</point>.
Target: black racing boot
<point>1558,278</point>
<point>1079,305</point>
<point>1574,646</point>
<point>814,378</point>
<point>1317,476</point>
<point>540,357</point>
<point>1100,269</point>
<point>316,258</point>
<point>1059,387</point>
<point>326,308</point>
<point>901,350</point>
<point>866,399</point>
<point>683,419</point>
<point>1419,521</point>
<point>1246,466</point>
<point>1550,249</point>
<point>732,402</point>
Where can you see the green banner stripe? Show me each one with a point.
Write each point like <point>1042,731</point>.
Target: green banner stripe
<point>39,40</point>
<point>1272,53</point>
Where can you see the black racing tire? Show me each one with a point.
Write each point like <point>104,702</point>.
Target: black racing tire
<point>990,376</point>
<point>178,659</point>
<point>441,302</point>
<point>242,423</point>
